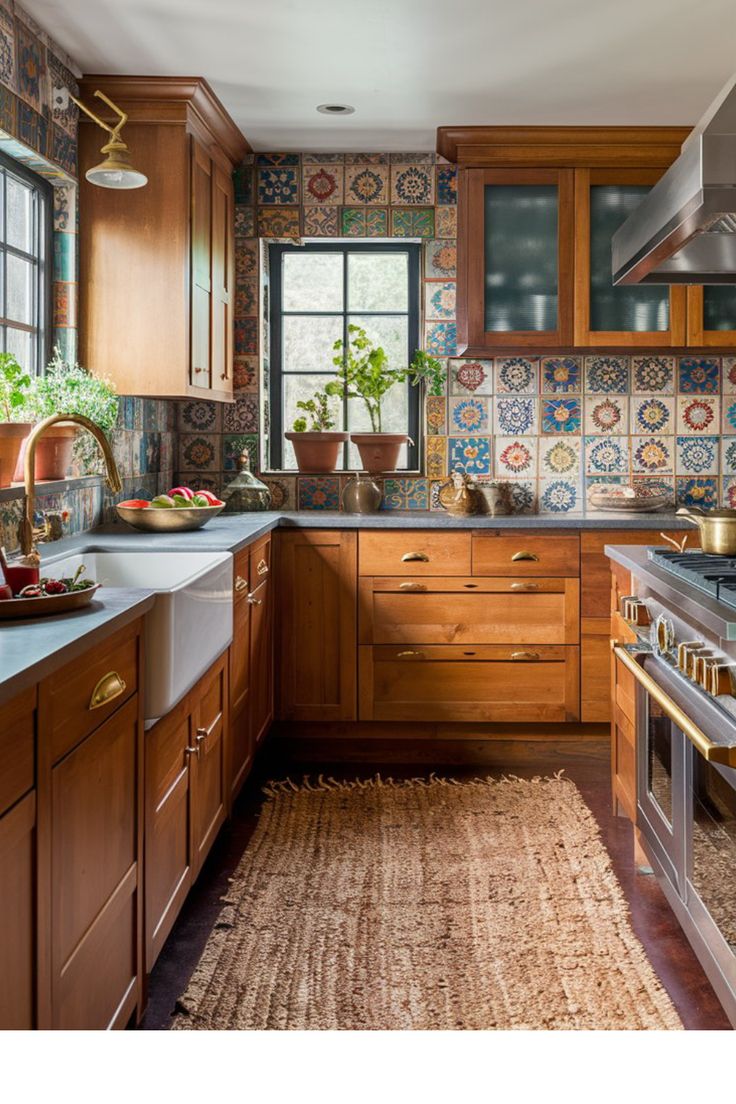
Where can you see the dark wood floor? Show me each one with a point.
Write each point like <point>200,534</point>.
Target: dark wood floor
<point>587,765</point>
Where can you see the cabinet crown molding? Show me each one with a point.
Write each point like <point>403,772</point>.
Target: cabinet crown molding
<point>560,146</point>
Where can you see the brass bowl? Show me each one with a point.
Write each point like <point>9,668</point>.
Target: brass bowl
<point>172,519</point>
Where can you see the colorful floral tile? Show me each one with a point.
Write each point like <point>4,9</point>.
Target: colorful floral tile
<point>413,223</point>
<point>278,185</point>
<point>523,494</point>
<point>440,338</point>
<point>728,375</point>
<point>660,486</point>
<point>323,158</point>
<point>652,455</point>
<point>515,456</point>
<point>245,221</point>
<point>699,414</point>
<point>436,452</point>
<point>435,412</point>
<point>31,65</point>
<point>559,496</point>
<point>278,223</point>
<point>233,445</point>
<point>697,492</point>
<point>446,222</point>
<point>321,222</point>
<point>366,184</point>
<point>470,414</point>
<point>559,456</point>
<point>241,416</point>
<point>728,455</point>
<point>367,158</point>
<point>653,414</point>
<point>199,452</point>
<point>606,375</point>
<point>516,416</point>
<point>283,492</point>
<point>245,373</point>
<point>405,494</point>
<point>412,185</point>
<point>245,336</point>
<point>246,298</point>
<point>699,376</point>
<point>211,481</point>
<point>653,374</point>
<point>322,184</point>
<point>729,414</point>
<point>319,492</point>
<point>446,185</point>
<point>470,377</point>
<point>404,158</point>
<point>728,493</point>
<point>277,159</point>
<point>561,415</point>
<point>516,375</point>
<point>440,259</point>
<point>7,57</point>
<point>439,300</point>
<point>65,256</point>
<point>470,454</point>
<point>561,374</point>
<point>246,258</point>
<point>199,416</point>
<point>435,486</point>
<point>606,455</point>
<point>697,455</point>
<point>606,414</point>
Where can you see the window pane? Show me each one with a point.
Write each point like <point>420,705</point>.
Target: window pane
<point>20,277</point>
<point>392,334</point>
<point>19,214</point>
<point>308,341</point>
<point>20,343</point>
<point>312,281</point>
<point>300,389</point>
<point>378,281</point>
<point>520,257</point>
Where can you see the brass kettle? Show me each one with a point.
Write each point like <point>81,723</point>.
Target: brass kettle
<point>717,529</point>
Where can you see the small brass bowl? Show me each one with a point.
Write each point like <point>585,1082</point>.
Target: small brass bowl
<point>171,519</point>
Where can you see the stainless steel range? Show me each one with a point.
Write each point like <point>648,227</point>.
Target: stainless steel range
<point>684,614</point>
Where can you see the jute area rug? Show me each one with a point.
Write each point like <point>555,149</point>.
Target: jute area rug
<point>425,904</point>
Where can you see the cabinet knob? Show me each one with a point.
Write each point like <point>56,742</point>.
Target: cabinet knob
<point>412,557</point>
<point>241,584</point>
<point>518,556</point>
<point>201,735</point>
<point>109,687</point>
<point>192,750</point>
<point>253,601</point>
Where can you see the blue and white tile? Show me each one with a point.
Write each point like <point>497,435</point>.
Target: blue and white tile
<point>516,416</point>
<point>652,455</point>
<point>559,457</point>
<point>607,375</point>
<point>653,375</point>
<point>728,455</point>
<point>470,377</point>
<point>470,454</point>
<point>728,375</point>
<point>729,414</point>
<point>515,457</point>
<point>653,414</point>
<point>699,414</point>
<point>405,494</point>
<point>562,414</point>
<point>606,415</point>
<point>606,455</point>
<point>559,496</point>
<point>561,375</point>
<point>470,414</point>
<point>697,456</point>
<point>697,492</point>
<point>699,376</point>
<point>516,375</point>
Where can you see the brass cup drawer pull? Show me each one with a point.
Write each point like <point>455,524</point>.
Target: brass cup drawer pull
<point>241,584</point>
<point>525,657</point>
<point>415,557</point>
<point>192,750</point>
<point>410,654</point>
<point>201,735</point>
<point>262,568</point>
<point>519,556</point>
<point>524,586</point>
<point>109,687</point>
<point>412,586</point>
<point>253,601</point>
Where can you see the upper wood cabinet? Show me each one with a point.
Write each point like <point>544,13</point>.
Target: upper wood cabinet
<point>157,263</point>
<point>711,315</point>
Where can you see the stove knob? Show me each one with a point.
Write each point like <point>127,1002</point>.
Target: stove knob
<point>685,649</point>
<point>722,676</point>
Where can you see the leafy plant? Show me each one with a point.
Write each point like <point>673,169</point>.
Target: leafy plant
<point>318,410</point>
<point>425,368</point>
<point>68,388</point>
<point>15,389</point>
<point>363,372</point>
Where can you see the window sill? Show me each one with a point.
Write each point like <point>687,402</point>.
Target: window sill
<point>50,486</point>
<point>402,474</point>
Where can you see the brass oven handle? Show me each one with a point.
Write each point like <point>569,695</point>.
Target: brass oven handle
<point>518,556</point>
<point>262,568</point>
<point>412,586</point>
<point>411,557</point>
<point>109,687</point>
<point>529,657</point>
<point>524,586</point>
<point>410,655</point>
<point>240,584</point>
<point>713,753</point>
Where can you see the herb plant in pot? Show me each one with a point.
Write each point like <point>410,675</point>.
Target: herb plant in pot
<point>316,444</point>
<point>15,386</point>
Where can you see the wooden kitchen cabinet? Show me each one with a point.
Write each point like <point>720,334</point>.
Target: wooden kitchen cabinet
<point>209,786</point>
<point>162,255</point>
<point>241,743</point>
<point>711,316</point>
<point>317,625</point>
<point>260,598</point>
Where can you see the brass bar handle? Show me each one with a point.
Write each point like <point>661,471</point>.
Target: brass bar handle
<point>412,557</point>
<point>412,586</point>
<point>527,657</point>
<point>262,568</point>
<point>411,654</point>
<point>241,584</point>
<point>253,601</point>
<point>524,586</point>
<point>519,556</point>
<point>109,687</point>
<point>712,753</point>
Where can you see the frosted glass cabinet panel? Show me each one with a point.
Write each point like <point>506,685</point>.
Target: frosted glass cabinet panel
<point>711,315</point>
<point>521,269</point>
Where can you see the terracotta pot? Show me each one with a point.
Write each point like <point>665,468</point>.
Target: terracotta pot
<point>316,452</point>
<point>379,452</point>
<point>12,435</point>
<point>53,453</point>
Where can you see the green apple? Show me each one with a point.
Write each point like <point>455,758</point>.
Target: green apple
<point>199,500</point>
<point>181,502</point>
<point>162,501</point>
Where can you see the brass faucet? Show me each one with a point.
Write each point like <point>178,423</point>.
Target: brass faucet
<point>25,528</point>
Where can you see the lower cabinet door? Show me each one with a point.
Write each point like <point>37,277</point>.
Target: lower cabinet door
<point>241,747</point>
<point>261,661</point>
<point>17,910</point>
<point>482,683</point>
<point>209,764</point>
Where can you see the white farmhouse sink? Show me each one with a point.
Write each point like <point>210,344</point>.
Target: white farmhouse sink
<point>191,621</point>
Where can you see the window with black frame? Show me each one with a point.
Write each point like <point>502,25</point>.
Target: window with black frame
<point>318,290</point>
<point>25,260</point>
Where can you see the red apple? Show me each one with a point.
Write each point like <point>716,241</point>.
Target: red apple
<point>183,492</point>
<point>211,498</point>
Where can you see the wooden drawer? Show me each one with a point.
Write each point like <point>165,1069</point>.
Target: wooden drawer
<point>67,712</point>
<point>17,753</point>
<point>524,553</point>
<point>453,683</point>
<point>241,575</point>
<point>468,611</point>
<point>260,561</point>
<point>414,552</point>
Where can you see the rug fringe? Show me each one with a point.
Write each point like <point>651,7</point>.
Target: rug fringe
<point>277,788</point>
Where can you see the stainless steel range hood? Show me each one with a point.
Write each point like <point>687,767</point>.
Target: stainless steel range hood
<point>684,230</point>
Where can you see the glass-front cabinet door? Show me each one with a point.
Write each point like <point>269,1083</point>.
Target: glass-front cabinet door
<point>519,242</point>
<point>631,315</point>
<point>711,315</point>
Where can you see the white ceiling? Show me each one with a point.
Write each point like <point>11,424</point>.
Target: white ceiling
<point>408,66</point>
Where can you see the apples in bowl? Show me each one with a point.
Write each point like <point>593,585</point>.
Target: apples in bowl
<point>180,510</point>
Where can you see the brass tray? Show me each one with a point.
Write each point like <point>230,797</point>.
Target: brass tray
<point>13,608</point>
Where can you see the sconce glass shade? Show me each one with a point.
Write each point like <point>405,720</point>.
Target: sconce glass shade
<point>116,171</point>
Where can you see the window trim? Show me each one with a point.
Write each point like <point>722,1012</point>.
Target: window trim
<point>43,193</point>
<point>276,251</point>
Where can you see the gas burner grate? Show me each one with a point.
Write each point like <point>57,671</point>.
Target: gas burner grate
<point>714,575</point>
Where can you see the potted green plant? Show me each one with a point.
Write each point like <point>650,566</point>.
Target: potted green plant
<point>315,442</point>
<point>15,385</point>
<point>69,389</point>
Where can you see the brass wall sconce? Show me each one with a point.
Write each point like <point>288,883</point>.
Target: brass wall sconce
<point>117,170</point>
